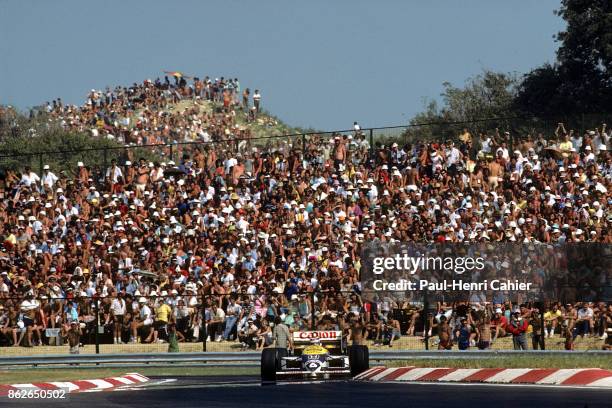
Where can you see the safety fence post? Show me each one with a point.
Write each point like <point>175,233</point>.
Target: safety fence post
<point>97,334</point>
<point>203,328</point>
<point>313,325</point>
<point>542,328</point>
<point>425,314</point>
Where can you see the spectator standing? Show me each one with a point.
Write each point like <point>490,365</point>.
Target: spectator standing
<point>163,312</point>
<point>463,334</point>
<point>73,336</point>
<point>484,331</point>
<point>118,309</point>
<point>357,330</point>
<point>281,335</point>
<point>518,327</point>
<point>114,176</point>
<point>231,317</point>
<point>29,309</point>
<point>49,178</point>
<point>535,321</point>
<point>444,334</point>
<point>174,337</point>
<point>245,99</point>
<point>29,177</point>
<point>257,100</point>
<point>145,320</point>
<point>500,322</point>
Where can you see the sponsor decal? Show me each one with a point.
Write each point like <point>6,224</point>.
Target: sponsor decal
<point>313,335</point>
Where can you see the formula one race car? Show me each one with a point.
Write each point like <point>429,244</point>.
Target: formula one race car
<point>316,355</point>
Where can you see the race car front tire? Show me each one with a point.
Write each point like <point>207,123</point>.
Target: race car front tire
<point>359,359</point>
<point>271,363</point>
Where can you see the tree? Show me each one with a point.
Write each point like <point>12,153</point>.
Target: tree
<point>25,139</point>
<point>581,79</point>
<point>489,95</point>
<point>586,44</point>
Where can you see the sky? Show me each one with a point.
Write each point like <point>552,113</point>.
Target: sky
<point>317,63</point>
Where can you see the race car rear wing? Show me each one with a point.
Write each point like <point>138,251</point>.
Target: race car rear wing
<point>324,336</point>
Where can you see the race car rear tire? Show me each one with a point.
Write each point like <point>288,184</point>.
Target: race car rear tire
<point>271,363</point>
<point>359,359</point>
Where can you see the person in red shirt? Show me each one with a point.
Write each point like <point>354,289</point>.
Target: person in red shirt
<point>499,322</point>
<point>518,327</point>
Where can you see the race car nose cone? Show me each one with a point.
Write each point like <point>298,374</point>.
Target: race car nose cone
<point>312,365</point>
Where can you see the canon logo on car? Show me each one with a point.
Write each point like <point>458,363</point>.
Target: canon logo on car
<point>324,335</point>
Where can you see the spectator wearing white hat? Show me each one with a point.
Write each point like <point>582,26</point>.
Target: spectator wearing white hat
<point>48,178</point>
<point>144,321</point>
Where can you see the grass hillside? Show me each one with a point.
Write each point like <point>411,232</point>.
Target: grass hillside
<point>265,125</point>
<point>23,140</point>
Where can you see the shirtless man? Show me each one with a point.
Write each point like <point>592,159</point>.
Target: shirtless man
<point>339,152</point>
<point>237,171</point>
<point>444,333</point>
<point>142,176</point>
<point>357,331</point>
<point>496,173</point>
<point>483,329</point>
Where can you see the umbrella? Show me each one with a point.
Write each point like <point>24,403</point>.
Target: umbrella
<point>176,74</point>
<point>555,152</point>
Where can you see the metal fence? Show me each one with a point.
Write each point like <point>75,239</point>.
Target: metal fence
<point>243,321</point>
<point>98,159</point>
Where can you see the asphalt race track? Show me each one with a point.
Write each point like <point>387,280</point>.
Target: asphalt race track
<point>247,392</point>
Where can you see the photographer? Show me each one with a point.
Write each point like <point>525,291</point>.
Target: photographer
<point>518,328</point>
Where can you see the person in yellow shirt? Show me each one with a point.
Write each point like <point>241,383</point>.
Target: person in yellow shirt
<point>162,317</point>
<point>566,145</point>
<point>551,320</point>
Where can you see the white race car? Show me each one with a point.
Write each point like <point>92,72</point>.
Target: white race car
<point>316,354</point>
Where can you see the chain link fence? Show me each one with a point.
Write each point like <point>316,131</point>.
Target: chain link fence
<point>244,320</point>
<point>519,128</point>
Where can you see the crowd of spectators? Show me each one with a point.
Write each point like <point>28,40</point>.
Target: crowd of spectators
<point>226,241</point>
<point>147,113</point>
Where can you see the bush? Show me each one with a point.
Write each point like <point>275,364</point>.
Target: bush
<point>37,141</point>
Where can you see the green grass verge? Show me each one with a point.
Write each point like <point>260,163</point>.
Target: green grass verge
<point>405,343</point>
<point>43,375</point>
<point>576,361</point>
